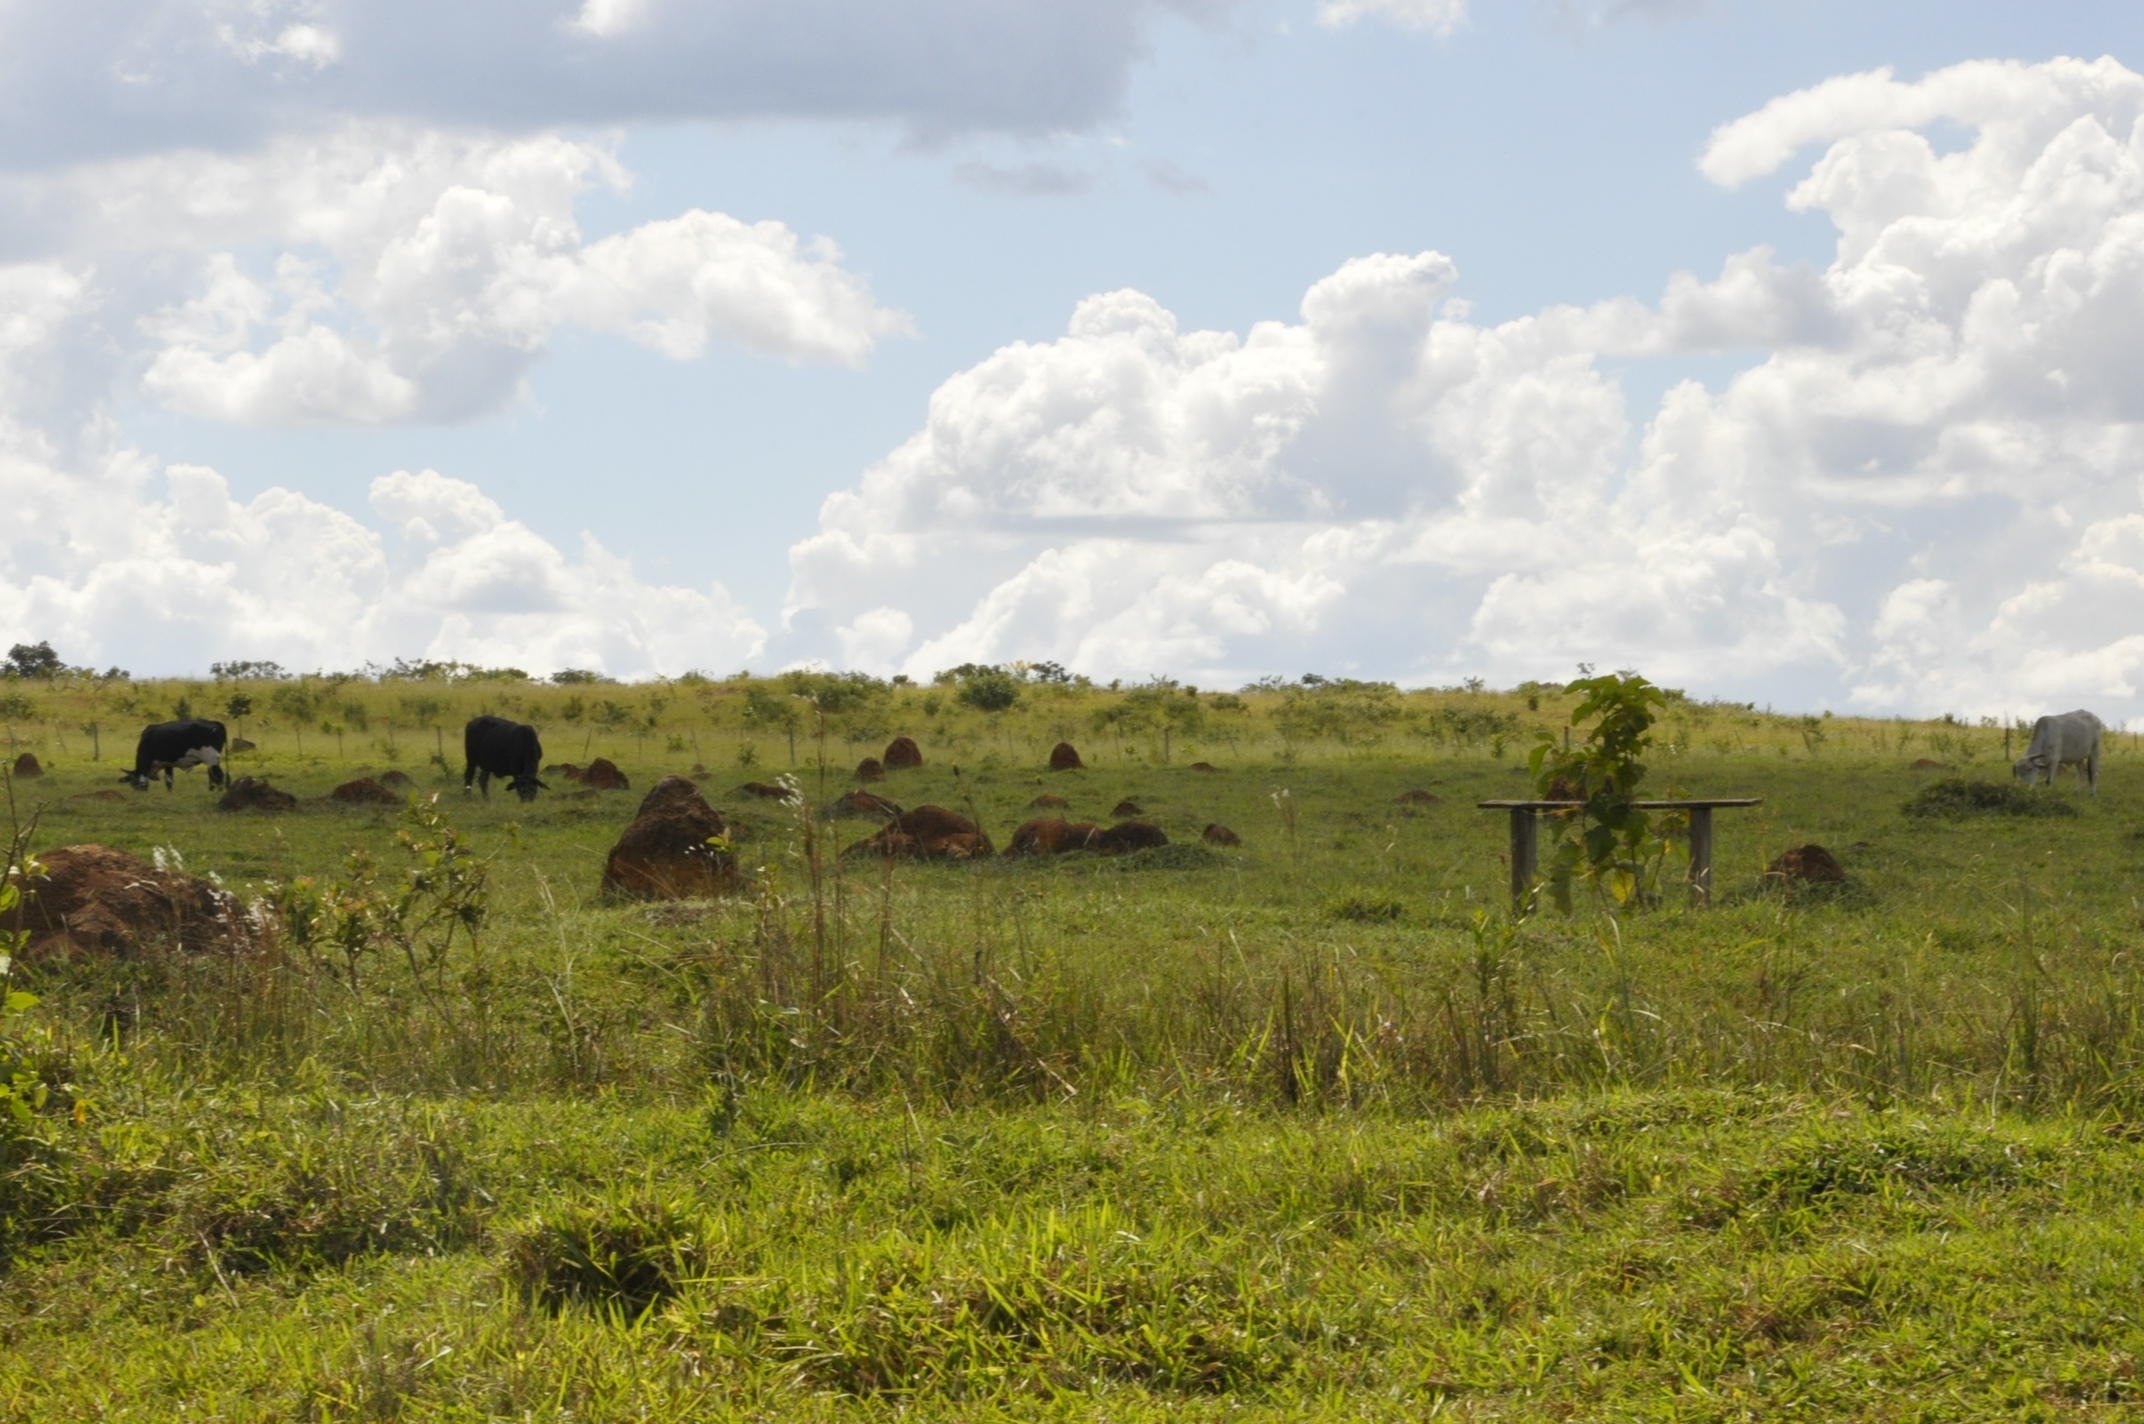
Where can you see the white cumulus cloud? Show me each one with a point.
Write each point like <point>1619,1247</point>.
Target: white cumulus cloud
<point>1921,489</point>
<point>1438,17</point>
<point>378,275</point>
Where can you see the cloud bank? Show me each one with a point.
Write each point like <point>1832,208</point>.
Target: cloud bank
<point>146,76</point>
<point>1924,491</point>
<point>1909,478</point>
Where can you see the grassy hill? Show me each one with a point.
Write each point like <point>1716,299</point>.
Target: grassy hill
<point>1309,1128</point>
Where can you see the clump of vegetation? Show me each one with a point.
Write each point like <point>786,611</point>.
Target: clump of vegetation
<point>625,1254</point>
<point>1958,797</point>
<point>1365,909</point>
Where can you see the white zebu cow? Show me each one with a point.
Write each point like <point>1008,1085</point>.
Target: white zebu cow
<point>2065,739</point>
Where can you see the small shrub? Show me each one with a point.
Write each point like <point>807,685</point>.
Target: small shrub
<point>1957,797</point>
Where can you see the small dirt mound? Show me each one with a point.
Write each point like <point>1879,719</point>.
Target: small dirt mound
<point>27,768</point>
<point>240,744</point>
<point>1806,865</point>
<point>927,833</point>
<point>104,796</point>
<point>364,792</point>
<point>1065,757</point>
<point>902,754</point>
<point>764,790</point>
<point>1955,798</point>
<point>603,775</point>
<point>1219,835</point>
<point>1127,836</point>
<point>94,900</point>
<point>252,793</point>
<point>870,769</point>
<point>1127,807</point>
<point>1204,766</point>
<point>674,849</point>
<point>1048,801</point>
<point>397,781</point>
<point>1418,797</point>
<point>1930,764</point>
<point>1052,836</point>
<point>862,805</point>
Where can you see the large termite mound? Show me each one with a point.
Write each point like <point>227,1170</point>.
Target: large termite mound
<point>1052,836</point>
<point>93,900</point>
<point>927,833</point>
<point>675,848</point>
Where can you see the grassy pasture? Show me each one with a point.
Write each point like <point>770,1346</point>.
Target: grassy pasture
<point>1308,1129</point>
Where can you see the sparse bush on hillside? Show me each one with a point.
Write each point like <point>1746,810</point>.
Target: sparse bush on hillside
<point>988,689</point>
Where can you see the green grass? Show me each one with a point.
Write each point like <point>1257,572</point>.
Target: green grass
<point>1309,1129</point>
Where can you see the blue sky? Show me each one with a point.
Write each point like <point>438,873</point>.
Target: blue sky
<point>267,244</point>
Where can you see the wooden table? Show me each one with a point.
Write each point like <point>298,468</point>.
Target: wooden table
<point>1525,850</point>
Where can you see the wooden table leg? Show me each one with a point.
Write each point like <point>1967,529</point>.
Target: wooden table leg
<point>1523,857</point>
<point>1700,855</point>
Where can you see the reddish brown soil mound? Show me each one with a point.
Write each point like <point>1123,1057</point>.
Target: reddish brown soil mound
<point>96,900</point>
<point>1065,757</point>
<point>603,775</point>
<point>929,833</point>
<point>1052,837</point>
<point>26,767</point>
<point>902,754</point>
<point>1418,797</point>
<point>1127,807</point>
<point>697,770</point>
<point>396,780</point>
<point>239,744</point>
<point>669,794</point>
<point>251,793</point>
<point>1204,766</point>
<point>365,792</point>
<point>1048,801</point>
<point>1130,836</point>
<point>563,768</point>
<point>764,790</point>
<point>1220,835</point>
<point>1930,764</point>
<point>104,796</point>
<point>1807,865</point>
<point>863,805</point>
<point>870,769</point>
<point>665,854</point>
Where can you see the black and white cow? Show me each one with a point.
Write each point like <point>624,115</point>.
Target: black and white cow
<point>169,746</point>
<point>493,746</point>
<point>2064,739</point>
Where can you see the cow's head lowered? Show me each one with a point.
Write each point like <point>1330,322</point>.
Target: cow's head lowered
<point>2034,769</point>
<point>526,785</point>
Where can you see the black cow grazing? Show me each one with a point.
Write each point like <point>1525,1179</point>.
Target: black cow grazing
<point>170,746</point>
<point>493,746</point>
